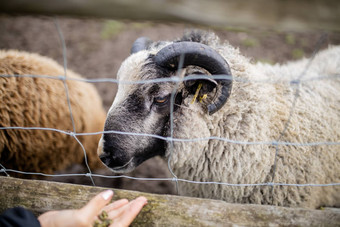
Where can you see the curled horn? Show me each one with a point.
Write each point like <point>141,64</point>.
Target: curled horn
<point>142,43</point>
<point>203,56</point>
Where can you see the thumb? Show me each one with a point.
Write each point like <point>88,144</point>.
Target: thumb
<point>96,204</point>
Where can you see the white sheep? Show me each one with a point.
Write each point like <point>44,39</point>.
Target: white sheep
<point>250,111</point>
<point>42,102</point>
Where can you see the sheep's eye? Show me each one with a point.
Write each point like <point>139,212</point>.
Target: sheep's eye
<point>161,100</point>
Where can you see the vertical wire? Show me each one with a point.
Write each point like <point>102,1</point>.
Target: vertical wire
<point>62,40</point>
<point>296,82</point>
<point>172,103</point>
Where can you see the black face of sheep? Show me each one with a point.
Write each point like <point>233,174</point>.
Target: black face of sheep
<point>145,108</point>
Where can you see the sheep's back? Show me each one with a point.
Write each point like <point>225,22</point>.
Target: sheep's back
<point>305,109</point>
<point>259,112</point>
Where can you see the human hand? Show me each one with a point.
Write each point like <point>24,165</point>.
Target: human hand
<point>122,212</point>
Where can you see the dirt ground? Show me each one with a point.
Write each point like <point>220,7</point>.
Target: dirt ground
<point>96,48</point>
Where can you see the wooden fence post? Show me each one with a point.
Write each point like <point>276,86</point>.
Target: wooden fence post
<point>162,210</point>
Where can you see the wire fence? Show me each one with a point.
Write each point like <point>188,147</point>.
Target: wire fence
<point>295,83</point>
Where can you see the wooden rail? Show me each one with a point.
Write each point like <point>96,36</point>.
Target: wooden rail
<point>162,210</point>
<point>275,14</point>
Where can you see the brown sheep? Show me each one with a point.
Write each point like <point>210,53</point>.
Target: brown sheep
<point>42,102</point>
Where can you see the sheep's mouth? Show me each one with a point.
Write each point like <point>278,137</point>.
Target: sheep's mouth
<point>126,168</point>
<point>133,163</point>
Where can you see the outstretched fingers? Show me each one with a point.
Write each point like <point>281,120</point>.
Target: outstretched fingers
<point>93,208</point>
<point>126,213</point>
<point>116,205</point>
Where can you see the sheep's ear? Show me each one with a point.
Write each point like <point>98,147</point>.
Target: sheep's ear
<point>207,85</point>
<point>142,43</point>
<point>200,88</point>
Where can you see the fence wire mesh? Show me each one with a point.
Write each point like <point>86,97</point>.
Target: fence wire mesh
<point>295,83</point>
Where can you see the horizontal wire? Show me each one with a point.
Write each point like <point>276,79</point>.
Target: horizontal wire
<point>175,79</point>
<point>171,179</point>
<point>274,143</point>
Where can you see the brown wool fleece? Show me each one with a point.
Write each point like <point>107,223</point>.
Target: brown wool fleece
<point>41,102</point>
